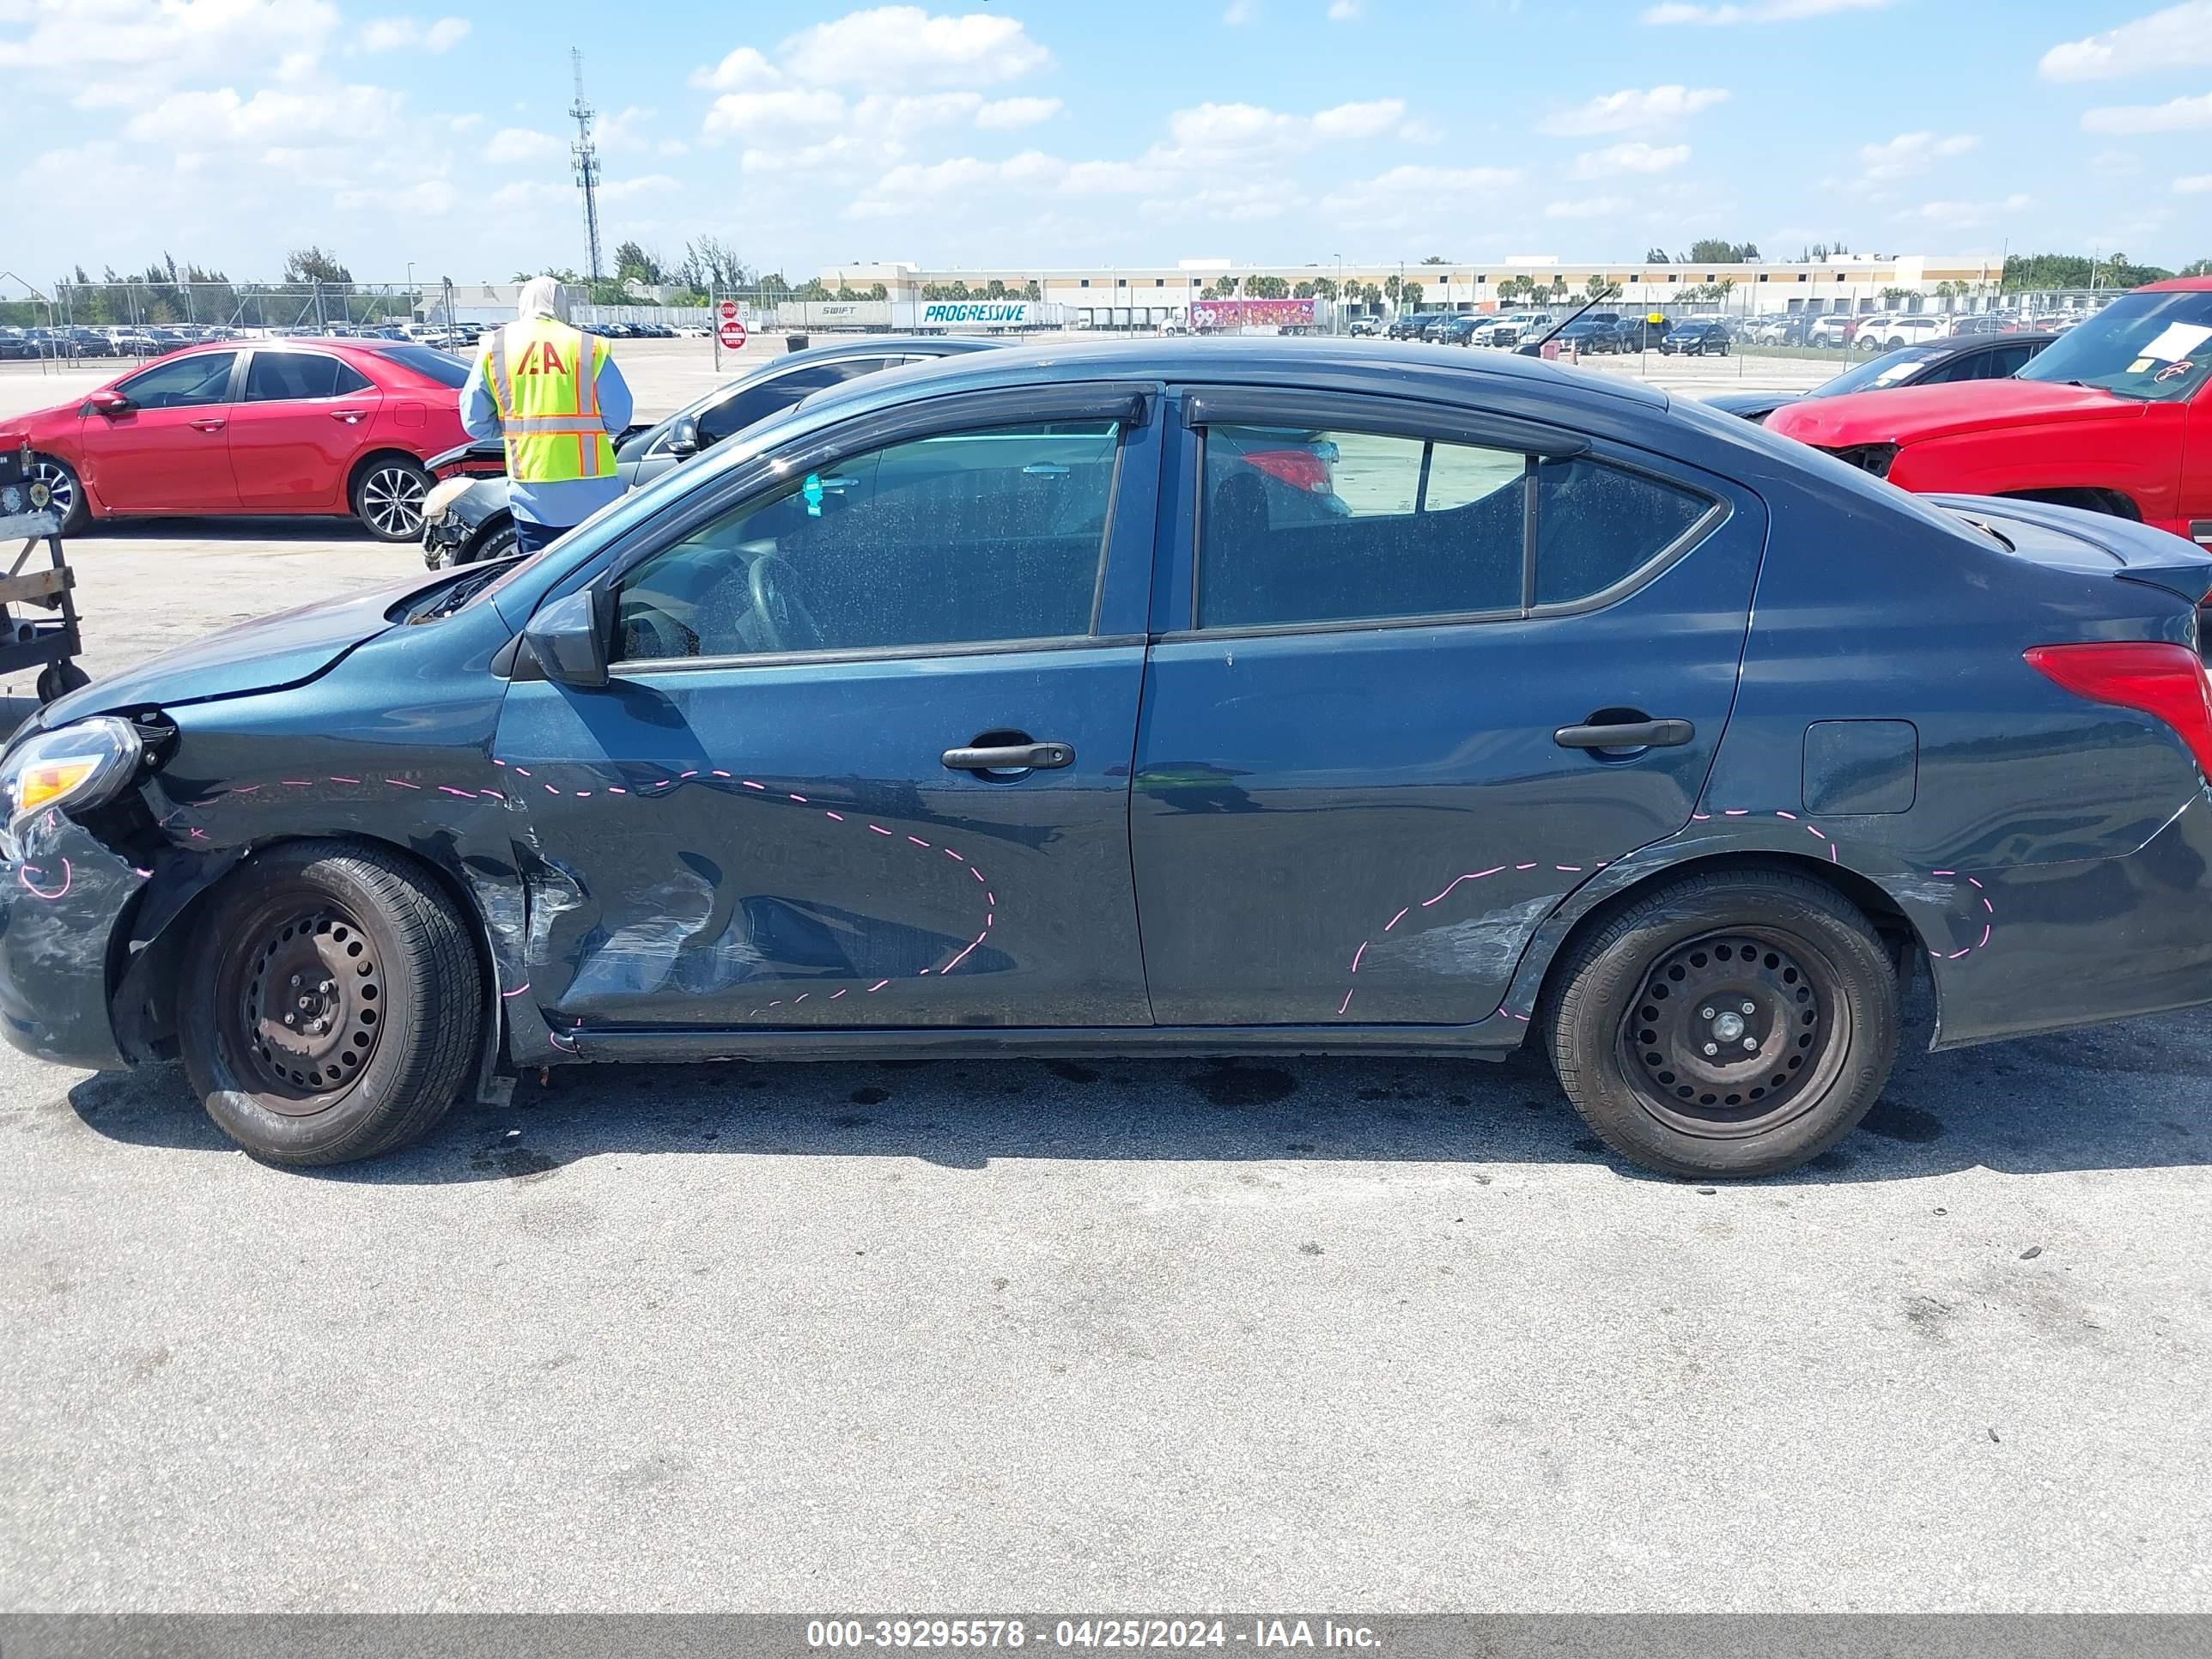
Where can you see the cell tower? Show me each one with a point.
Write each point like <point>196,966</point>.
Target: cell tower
<point>585,156</point>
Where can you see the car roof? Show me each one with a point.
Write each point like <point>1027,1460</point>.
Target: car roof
<point>2177,285</point>
<point>1318,362</point>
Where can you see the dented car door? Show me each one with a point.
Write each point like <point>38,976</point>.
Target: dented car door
<point>863,759</point>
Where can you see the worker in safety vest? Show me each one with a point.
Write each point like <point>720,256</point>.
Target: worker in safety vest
<point>553,392</point>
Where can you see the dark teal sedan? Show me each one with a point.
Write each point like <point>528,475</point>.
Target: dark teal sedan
<point>1223,696</point>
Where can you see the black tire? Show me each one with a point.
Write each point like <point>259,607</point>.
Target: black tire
<point>58,679</point>
<point>1631,1049</point>
<point>406,1002</point>
<point>60,479</point>
<point>496,545</point>
<point>387,497</point>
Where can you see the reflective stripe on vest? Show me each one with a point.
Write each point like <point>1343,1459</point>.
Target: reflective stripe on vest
<point>543,378</point>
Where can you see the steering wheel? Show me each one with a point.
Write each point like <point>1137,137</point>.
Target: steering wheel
<point>784,620</point>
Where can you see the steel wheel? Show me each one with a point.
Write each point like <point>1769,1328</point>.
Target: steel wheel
<point>389,500</point>
<point>1733,1033</point>
<point>304,990</point>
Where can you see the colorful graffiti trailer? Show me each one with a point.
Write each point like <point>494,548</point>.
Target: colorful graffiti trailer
<point>1254,316</point>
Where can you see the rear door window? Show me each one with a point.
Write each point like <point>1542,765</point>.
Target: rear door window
<point>1298,527</point>
<point>281,376</point>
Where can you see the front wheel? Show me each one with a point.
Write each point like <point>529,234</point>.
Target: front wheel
<point>498,544</point>
<point>64,492</point>
<point>331,1007</point>
<point>1736,1024</point>
<point>387,497</point>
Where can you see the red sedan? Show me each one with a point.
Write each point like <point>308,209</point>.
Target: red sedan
<point>2115,415</point>
<point>277,426</point>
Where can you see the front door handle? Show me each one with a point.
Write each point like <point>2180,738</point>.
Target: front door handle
<point>1011,757</point>
<point>1629,734</point>
<point>207,425</point>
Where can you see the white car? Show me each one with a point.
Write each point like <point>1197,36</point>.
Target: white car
<point>1887,330</point>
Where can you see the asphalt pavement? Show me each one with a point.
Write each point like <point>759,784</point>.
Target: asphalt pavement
<point>1143,1336</point>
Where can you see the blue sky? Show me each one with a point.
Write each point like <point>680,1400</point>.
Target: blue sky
<point>1056,132</point>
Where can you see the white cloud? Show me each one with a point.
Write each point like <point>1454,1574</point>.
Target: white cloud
<point>1408,198</point>
<point>1633,111</point>
<point>1367,120</point>
<point>1757,11</point>
<point>900,46</point>
<point>746,112</point>
<point>1912,152</point>
<point>513,144</point>
<point>114,53</point>
<point>1963,214</point>
<point>2198,183</point>
<point>426,198</point>
<point>405,33</point>
<point>2177,115</point>
<point>1595,207</point>
<point>2166,39</point>
<point>650,184</point>
<point>1241,12</point>
<point>624,130</point>
<point>743,70</point>
<point>1632,157</point>
<point>1345,11</point>
<point>1008,112</point>
<point>279,124</point>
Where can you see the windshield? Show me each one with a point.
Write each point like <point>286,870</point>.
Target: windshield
<point>1876,373</point>
<point>2149,346</point>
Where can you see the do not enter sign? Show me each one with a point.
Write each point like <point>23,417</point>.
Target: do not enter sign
<point>732,333</point>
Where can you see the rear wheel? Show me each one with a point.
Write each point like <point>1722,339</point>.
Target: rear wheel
<point>332,1005</point>
<point>1735,1023</point>
<point>387,497</point>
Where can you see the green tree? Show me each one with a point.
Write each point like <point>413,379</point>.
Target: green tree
<point>1393,289</point>
<point>2196,268</point>
<point>1655,256</point>
<point>1711,251</point>
<point>637,263</point>
<point>1436,259</point>
<point>1029,289</point>
<point>311,265</point>
<point>1268,288</point>
<point>1409,294</point>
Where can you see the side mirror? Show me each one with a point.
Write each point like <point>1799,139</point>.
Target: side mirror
<point>110,403</point>
<point>683,437</point>
<point>569,637</point>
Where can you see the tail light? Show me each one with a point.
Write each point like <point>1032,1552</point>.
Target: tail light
<point>2165,682</point>
<point>1300,469</point>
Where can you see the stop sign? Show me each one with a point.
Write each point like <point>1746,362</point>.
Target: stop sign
<point>733,334</point>
<point>729,311</point>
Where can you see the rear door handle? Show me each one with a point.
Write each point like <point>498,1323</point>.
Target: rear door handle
<point>350,416</point>
<point>1012,757</point>
<point>1632,734</point>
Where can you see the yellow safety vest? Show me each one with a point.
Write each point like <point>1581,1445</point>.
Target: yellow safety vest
<point>544,381</point>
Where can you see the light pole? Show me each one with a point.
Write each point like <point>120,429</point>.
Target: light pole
<point>410,291</point>
<point>1336,300</point>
